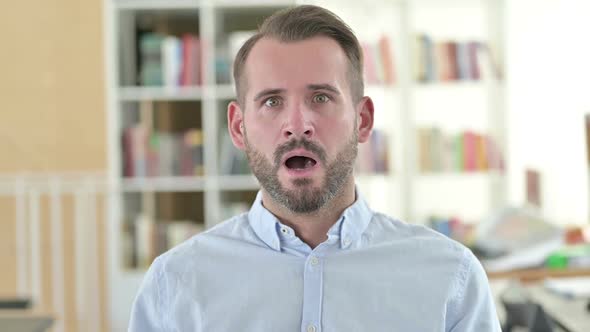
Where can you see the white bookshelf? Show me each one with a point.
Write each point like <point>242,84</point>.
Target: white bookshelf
<point>403,192</point>
<point>134,93</point>
<point>164,184</point>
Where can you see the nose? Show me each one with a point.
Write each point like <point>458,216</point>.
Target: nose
<point>298,123</point>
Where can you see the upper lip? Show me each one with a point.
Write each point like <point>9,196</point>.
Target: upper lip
<point>299,153</point>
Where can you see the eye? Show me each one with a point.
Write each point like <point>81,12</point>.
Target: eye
<point>321,98</point>
<point>272,102</point>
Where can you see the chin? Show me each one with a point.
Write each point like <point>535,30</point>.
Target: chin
<point>307,182</point>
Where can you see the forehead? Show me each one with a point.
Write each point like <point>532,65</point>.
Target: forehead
<point>290,65</point>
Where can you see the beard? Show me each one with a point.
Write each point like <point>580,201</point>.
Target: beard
<point>304,199</point>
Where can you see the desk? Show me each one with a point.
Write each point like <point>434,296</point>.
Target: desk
<point>570,312</point>
<point>24,321</point>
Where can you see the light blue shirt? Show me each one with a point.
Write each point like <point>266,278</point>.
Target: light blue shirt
<point>373,273</point>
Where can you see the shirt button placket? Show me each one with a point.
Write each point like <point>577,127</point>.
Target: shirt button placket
<point>312,294</point>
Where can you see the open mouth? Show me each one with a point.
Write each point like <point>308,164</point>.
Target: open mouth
<point>300,162</point>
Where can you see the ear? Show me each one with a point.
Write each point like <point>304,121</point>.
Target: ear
<point>365,110</point>
<point>235,125</point>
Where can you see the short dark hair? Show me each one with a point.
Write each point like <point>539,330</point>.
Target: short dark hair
<point>300,23</point>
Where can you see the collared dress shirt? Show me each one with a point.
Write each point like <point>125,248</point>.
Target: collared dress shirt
<point>373,273</point>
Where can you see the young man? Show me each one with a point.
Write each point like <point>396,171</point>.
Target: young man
<point>310,255</point>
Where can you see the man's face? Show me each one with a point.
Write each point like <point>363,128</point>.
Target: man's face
<point>300,124</point>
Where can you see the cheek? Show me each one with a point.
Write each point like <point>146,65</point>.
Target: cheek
<point>261,137</point>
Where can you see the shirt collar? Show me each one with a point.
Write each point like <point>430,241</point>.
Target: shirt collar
<point>349,227</point>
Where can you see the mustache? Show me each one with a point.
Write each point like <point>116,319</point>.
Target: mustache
<point>296,144</point>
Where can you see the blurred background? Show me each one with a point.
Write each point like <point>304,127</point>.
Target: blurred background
<point>114,146</point>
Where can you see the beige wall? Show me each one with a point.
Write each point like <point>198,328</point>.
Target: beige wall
<point>52,112</point>
<point>52,85</point>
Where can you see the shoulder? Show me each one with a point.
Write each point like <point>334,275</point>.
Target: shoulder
<point>427,251</point>
<point>385,229</point>
<point>418,246</point>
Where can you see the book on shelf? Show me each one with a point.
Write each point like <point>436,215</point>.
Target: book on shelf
<point>423,145</point>
<point>144,239</point>
<point>474,64</point>
<point>437,145</point>
<point>453,67</point>
<point>171,60</point>
<point>481,152</point>
<point>378,62</point>
<point>134,143</point>
<point>373,155</point>
<point>148,153</point>
<point>192,162</point>
<point>425,64</point>
<point>191,73</point>
<point>453,227</point>
<point>468,151</point>
<point>463,65</point>
<point>387,59</point>
<point>443,61</point>
<point>168,60</point>
<point>150,51</point>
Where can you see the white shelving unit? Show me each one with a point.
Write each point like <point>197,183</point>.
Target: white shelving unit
<point>468,105</point>
<point>404,192</point>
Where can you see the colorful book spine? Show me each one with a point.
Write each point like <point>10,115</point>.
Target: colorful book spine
<point>470,151</point>
<point>441,61</point>
<point>193,153</point>
<point>472,49</point>
<point>388,61</point>
<point>373,156</point>
<point>171,61</point>
<point>378,62</point>
<point>150,49</point>
<point>152,153</point>
<point>466,152</point>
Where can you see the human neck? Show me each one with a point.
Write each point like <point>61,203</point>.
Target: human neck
<point>312,228</point>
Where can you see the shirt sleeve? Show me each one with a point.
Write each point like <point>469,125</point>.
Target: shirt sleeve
<point>472,306</point>
<point>146,313</point>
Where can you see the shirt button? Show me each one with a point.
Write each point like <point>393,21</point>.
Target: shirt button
<point>311,328</point>
<point>284,230</point>
<point>314,261</point>
<point>347,241</point>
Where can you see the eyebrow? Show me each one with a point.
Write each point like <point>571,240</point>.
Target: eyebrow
<point>267,92</point>
<point>323,87</point>
<point>313,87</point>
